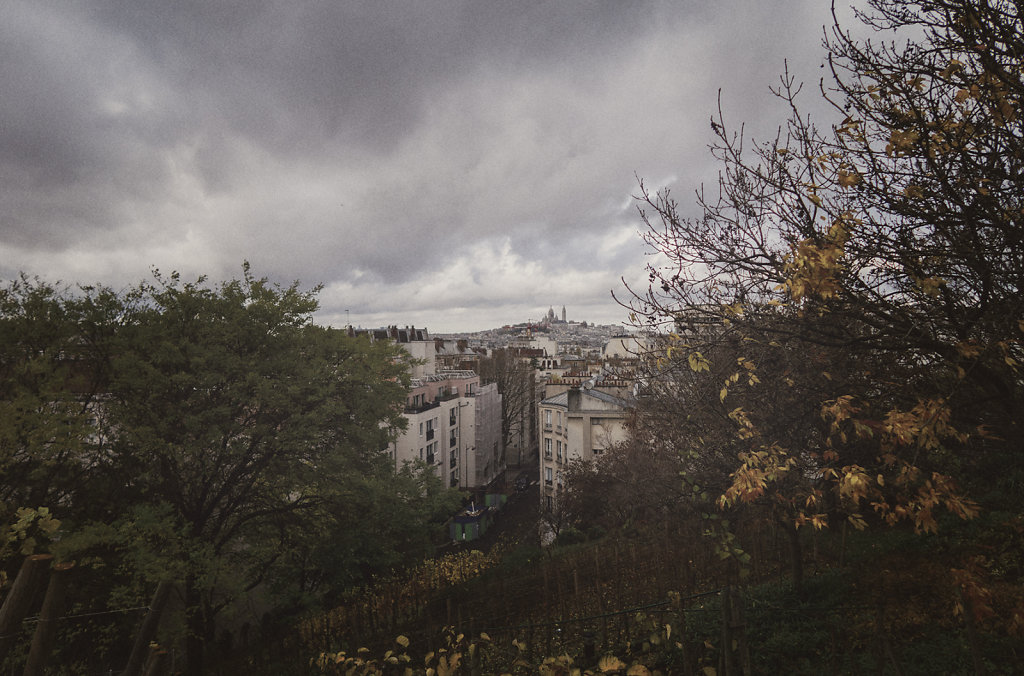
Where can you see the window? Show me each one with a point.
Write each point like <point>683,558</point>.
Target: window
<point>598,451</point>
<point>451,418</point>
<point>547,418</point>
<point>430,428</point>
<point>451,439</point>
<point>431,449</point>
<point>547,448</point>
<point>421,429</point>
<point>559,450</point>
<point>454,482</point>
<point>547,476</point>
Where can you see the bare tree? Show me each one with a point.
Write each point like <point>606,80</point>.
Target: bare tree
<point>516,381</point>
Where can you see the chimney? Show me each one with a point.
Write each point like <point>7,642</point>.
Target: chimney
<point>575,398</point>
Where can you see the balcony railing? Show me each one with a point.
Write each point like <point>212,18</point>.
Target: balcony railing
<point>430,434</point>
<point>422,406</point>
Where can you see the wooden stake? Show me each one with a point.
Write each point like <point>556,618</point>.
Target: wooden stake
<point>141,647</point>
<point>46,629</point>
<point>19,600</point>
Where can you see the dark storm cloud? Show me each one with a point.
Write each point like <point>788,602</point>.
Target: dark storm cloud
<point>290,74</point>
<point>413,155</point>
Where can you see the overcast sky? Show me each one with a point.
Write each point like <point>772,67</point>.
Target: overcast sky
<point>454,165</point>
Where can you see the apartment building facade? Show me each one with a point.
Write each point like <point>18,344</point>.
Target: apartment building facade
<point>453,423</point>
<point>577,422</point>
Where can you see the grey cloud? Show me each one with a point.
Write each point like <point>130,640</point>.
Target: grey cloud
<point>372,144</point>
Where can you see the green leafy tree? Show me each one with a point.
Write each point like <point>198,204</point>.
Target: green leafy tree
<point>48,392</point>
<point>241,417</point>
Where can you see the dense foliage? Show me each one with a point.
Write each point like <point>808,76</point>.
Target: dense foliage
<point>207,437</point>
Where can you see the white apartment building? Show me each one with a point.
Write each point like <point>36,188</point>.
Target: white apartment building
<point>579,422</point>
<point>453,424</point>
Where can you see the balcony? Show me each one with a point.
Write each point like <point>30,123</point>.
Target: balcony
<point>421,407</point>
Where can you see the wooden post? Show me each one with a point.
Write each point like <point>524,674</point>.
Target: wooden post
<point>739,631</point>
<point>19,600</point>
<point>547,606</point>
<point>728,665</point>
<point>51,612</point>
<point>972,632</point>
<point>576,589</point>
<point>561,595</point>
<point>156,661</point>
<point>147,631</point>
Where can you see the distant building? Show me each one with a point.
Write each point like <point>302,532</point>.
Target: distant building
<point>578,422</point>
<point>626,346</point>
<point>454,423</point>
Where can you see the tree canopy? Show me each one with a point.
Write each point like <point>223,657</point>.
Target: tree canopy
<point>209,437</point>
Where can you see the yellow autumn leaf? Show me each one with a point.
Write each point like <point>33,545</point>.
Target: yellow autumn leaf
<point>698,362</point>
<point>848,179</point>
<point>610,663</point>
<point>402,641</point>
